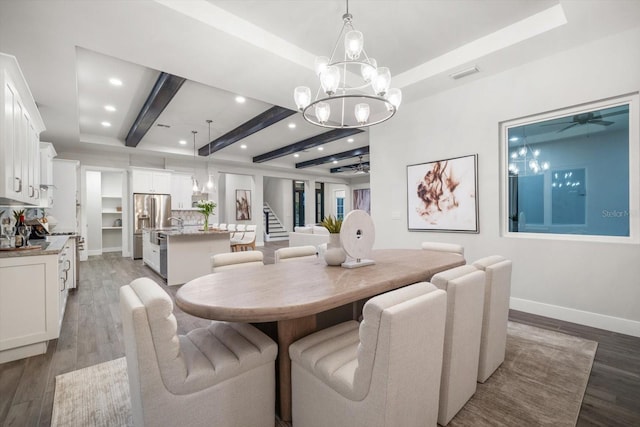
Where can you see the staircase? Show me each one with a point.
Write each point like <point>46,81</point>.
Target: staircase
<point>276,230</point>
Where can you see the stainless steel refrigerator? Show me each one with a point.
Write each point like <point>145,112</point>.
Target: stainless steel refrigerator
<point>149,211</point>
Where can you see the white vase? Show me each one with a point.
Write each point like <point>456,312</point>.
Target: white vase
<point>334,255</point>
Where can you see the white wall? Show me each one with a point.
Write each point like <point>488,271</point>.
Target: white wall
<point>279,194</point>
<point>233,183</point>
<point>585,282</point>
<point>93,212</point>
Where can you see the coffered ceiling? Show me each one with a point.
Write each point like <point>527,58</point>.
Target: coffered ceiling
<point>261,50</point>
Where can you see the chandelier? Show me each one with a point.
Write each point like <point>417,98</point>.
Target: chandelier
<point>353,92</point>
<point>526,160</point>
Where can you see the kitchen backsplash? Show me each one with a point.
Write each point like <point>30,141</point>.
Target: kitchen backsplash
<point>193,217</point>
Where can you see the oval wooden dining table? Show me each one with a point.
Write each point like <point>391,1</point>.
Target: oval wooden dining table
<point>293,293</point>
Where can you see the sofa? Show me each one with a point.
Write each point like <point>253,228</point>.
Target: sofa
<point>314,235</point>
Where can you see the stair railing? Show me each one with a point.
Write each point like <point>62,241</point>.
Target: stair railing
<point>266,222</point>
<point>268,212</point>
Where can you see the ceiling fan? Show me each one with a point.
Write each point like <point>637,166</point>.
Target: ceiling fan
<point>591,117</point>
<point>361,167</point>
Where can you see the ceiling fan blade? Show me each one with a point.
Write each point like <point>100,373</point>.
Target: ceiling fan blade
<point>615,113</point>
<point>556,123</point>
<point>601,122</point>
<point>570,126</point>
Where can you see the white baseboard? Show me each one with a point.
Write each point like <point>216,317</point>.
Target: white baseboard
<point>595,320</point>
<point>94,252</point>
<point>114,249</point>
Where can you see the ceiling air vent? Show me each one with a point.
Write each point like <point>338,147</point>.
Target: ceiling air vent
<point>161,125</point>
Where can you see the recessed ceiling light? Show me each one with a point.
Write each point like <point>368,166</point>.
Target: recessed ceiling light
<point>182,142</point>
<point>296,155</point>
<point>350,140</point>
<point>110,108</point>
<point>116,82</point>
<point>513,138</point>
<point>243,146</point>
<point>240,99</point>
<point>335,162</point>
<point>292,125</point>
<point>106,124</point>
<point>320,148</point>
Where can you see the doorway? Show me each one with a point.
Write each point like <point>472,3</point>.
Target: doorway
<point>298,204</point>
<point>319,202</point>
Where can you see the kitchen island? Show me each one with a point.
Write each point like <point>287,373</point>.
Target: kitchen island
<point>33,293</point>
<point>188,252</point>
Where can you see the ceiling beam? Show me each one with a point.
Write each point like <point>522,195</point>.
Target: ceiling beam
<point>348,168</point>
<point>271,116</point>
<point>306,144</point>
<point>361,151</point>
<point>161,95</point>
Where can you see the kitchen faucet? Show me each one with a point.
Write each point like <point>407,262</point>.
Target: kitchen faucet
<point>180,221</point>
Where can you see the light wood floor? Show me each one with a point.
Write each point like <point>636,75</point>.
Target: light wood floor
<point>92,333</point>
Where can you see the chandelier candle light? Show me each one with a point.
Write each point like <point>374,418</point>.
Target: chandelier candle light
<point>354,92</point>
<point>195,188</point>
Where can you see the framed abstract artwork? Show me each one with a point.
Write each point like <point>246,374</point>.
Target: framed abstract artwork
<point>443,195</point>
<point>243,205</point>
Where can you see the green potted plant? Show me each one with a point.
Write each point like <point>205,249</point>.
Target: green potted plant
<point>332,224</point>
<point>334,255</point>
<point>206,208</point>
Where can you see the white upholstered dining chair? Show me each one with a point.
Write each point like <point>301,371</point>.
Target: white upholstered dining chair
<point>384,371</point>
<point>248,240</point>
<point>465,294</point>
<point>295,253</point>
<point>231,260</point>
<point>222,375</point>
<point>443,247</point>
<point>493,341</point>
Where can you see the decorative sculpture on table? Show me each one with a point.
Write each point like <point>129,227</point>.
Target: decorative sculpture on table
<point>356,237</point>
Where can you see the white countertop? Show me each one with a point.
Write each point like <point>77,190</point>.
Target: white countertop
<point>51,246</point>
<point>191,231</point>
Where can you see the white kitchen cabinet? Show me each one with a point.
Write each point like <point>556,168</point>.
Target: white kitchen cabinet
<point>181,190</point>
<point>150,181</point>
<point>47,153</point>
<point>150,252</point>
<point>20,127</point>
<point>64,206</point>
<point>189,253</point>
<point>33,294</point>
<point>70,274</point>
<point>66,277</point>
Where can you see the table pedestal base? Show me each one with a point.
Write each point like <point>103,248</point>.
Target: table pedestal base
<point>289,331</point>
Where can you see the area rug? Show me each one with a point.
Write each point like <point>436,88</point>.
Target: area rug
<point>541,382</point>
<point>93,396</point>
